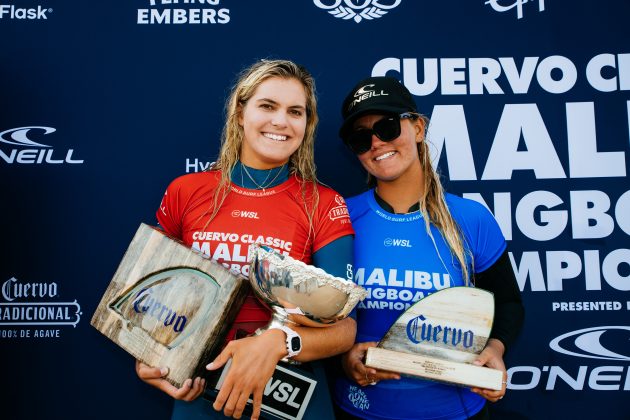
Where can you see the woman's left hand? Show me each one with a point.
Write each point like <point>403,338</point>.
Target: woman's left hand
<point>492,357</point>
<point>254,360</point>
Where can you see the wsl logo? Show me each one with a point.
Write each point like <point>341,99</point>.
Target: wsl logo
<point>31,152</point>
<point>518,4</point>
<point>245,214</point>
<point>405,243</point>
<point>357,10</point>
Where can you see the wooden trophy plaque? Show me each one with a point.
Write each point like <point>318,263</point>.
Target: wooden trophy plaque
<point>169,306</point>
<point>439,337</point>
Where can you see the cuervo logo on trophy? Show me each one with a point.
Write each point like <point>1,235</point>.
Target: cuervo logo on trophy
<point>439,337</point>
<point>170,306</point>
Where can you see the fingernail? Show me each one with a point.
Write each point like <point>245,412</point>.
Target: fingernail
<point>164,371</point>
<point>210,365</point>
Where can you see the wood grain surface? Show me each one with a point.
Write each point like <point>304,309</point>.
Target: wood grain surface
<point>169,306</point>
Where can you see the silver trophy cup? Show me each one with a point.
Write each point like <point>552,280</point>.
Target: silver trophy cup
<point>299,293</point>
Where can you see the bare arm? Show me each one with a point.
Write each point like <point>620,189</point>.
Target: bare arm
<point>318,343</point>
<point>254,360</point>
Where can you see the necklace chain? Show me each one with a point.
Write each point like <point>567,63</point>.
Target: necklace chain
<point>259,186</point>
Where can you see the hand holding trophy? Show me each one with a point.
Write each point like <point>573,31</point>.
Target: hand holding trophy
<point>299,295</point>
<point>439,337</point>
<point>169,306</point>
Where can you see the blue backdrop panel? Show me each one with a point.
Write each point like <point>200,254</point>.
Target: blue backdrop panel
<point>102,104</point>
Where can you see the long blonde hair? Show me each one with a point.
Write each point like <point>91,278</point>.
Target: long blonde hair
<point>301,162</point>
<point>433,205</point>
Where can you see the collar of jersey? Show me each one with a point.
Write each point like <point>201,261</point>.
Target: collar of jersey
<point>267,191</point>
<point>387,207</point>
<point>387,213</point>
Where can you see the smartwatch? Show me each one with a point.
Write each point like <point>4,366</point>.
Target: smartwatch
<point>294,341</point>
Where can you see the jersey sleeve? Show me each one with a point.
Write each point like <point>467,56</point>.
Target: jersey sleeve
<point>182,197</point>
<point>483,234</point>
<point>169,214</point>
<point>336,257</point>
<point>508,308</point>
<point>332,219</point>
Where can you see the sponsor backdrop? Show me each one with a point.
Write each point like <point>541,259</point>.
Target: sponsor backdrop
<point>102,104</point>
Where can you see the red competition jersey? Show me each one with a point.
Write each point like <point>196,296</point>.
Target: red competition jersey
<point>276,217</point>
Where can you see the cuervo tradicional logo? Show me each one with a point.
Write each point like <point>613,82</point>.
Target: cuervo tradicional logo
<point>30,309</point>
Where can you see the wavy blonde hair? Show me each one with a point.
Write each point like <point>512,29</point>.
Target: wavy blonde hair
<point>433,205</point>
<point>301,162</point>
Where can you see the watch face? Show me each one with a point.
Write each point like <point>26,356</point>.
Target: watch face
<point>295,344</point>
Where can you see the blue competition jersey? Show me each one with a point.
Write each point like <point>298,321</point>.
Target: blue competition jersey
<point>398,264</point>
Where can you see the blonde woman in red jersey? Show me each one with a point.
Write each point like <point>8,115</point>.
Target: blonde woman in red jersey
<point>263,188</point>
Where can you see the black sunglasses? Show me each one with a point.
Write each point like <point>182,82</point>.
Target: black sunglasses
<point>386,129</point>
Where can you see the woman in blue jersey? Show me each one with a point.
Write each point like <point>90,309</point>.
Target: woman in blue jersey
<point>412,239</point>
<point>265,169</point>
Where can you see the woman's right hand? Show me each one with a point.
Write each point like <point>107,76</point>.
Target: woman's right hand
<point>254,360</point>
<point>355,369</point>
<point>155,376</point>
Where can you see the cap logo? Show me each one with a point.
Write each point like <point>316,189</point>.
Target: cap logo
<point>363,93</point>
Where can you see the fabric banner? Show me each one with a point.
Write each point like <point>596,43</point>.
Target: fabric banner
<point>103,103</point>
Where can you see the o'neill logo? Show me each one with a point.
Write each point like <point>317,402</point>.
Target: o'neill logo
<point>517,3</point>
<point>605,343</point>
<point>31,152</point>
<point>363,93</point>
<point>595,343</point>
<point>357,10</point>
